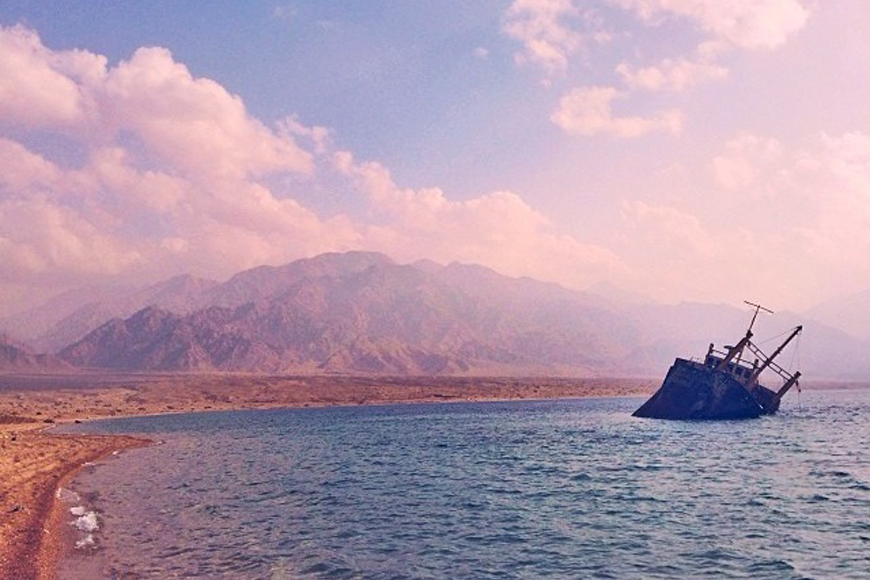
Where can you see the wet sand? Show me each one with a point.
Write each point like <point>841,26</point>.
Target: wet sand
<point>34,463</point>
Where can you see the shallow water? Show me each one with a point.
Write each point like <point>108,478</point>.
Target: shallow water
<point>561,489</point>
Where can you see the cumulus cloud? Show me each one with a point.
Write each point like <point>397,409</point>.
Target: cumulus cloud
<point>703,254</point>
<point>729,24</point>
<point>172,166</point>
<point>224,130</point>
<point>744,23</point>
<point>588,111</point>
<point>497,229</point>
<point>41,239</point>
<point>680,230</point>
<point>171,173</point>
<point>552,31</point>
<point>547,31</point>
<point>41,88</point>
<point>24,170</point>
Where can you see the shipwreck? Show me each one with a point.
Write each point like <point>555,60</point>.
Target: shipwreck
<point>723,385</point>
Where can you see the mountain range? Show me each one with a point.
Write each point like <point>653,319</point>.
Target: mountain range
<point>360,312</point>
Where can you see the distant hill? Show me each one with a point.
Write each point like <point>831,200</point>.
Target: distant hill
<point>16,358</point>
<point>822,351</point>
<point>849,313</point>
<point>71,315</point>
<point>361,312</point>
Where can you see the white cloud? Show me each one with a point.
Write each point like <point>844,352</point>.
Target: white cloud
<point>172,166</point>
<point>674,74</point>
<point>588,111</point>
<point>195,121</point>
<point>497,229</point>
<point>177,176</point>
<point>546,29</point>
<point>552,31</point>
<point>682,231</point>
<point>744,23</point>
<point>318,138</point>
<point>42,239</point>
<point>24,170</point>
<point>41,88</point>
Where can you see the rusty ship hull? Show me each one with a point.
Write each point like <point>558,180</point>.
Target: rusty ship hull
<point>722,385</point>
<point>692,391</point>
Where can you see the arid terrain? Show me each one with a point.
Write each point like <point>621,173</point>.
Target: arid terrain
<point>33,462</point>
<point>44,398</point>
<point>32,466</point>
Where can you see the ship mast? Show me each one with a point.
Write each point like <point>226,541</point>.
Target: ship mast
<point>737,350</point>
<point>769,359</point>
<point>755,315</point>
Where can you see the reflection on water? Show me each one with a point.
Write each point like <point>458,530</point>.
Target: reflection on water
<point>565,489</point>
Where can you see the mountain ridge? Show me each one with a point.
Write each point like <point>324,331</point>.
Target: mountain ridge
<point>361,312</point>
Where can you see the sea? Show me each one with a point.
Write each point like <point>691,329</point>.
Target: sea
<point>505,490</point>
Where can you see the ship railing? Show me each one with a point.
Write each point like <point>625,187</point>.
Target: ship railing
<point>784,374</point>
<point>715,356</point>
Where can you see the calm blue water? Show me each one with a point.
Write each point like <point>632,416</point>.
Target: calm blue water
<point>563,489</point>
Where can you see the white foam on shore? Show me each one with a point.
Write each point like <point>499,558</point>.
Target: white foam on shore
<point>86,521</point>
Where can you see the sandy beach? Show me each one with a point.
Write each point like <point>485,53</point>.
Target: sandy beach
<point>34,463</point>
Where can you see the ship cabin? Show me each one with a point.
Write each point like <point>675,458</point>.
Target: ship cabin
<point>737,368</point>
<point>730,362</point>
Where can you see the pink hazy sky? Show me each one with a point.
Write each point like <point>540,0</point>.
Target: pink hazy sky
<point>708,150</point>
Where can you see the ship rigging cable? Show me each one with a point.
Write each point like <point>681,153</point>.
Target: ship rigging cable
<point>796,358</point>
<point>772,338</point>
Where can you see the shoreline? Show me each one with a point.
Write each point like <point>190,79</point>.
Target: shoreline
<point>35,463</point>
<point>343,405</point>
<point>56,544</point>
<point>31,531</point>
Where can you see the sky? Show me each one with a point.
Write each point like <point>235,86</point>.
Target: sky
<point>687,150</point>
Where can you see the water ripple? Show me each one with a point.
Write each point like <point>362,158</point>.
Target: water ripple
<point>568,489</point>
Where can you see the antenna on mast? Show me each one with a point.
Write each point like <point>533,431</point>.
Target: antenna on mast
<point>755,314</point>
